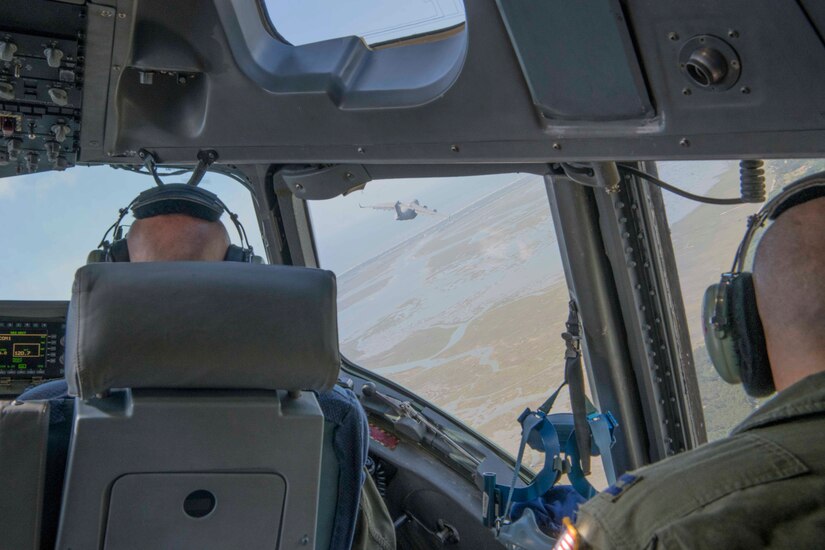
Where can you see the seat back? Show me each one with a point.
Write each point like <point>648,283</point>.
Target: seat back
<point>23,446</point>
<point>191,428</point>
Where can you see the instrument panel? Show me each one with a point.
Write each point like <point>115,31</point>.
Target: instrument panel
<point>32,342</point>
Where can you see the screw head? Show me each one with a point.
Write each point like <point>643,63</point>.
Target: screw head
<point>361,150</point>
<point>686,91</point>
<point>454,148</point>
<point>733,33</point>
<point>299,187</point>
<point>684,142</point>
<point>745,90</point>
<point>557,146</point>
<point>673,36</point>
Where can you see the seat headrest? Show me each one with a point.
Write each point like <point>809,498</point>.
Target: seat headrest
<point>199,325</point>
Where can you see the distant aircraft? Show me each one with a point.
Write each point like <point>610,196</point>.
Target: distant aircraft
<point>403,210</point>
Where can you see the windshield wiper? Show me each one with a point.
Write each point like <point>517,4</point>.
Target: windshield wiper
<point>405,409</point>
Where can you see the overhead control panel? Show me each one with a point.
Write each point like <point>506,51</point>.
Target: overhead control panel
<point>41,78</point>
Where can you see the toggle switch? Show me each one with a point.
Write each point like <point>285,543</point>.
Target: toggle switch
<point>6,91</point>
<point>59,96</point>
<point>13,147</point>
<point>7,50</point>
<point>52,150</point>
<point>32,160</point>
<point>53,57</point>
<point>60,132</point>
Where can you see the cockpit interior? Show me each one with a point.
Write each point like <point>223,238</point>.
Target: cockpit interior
<point>559,148</point>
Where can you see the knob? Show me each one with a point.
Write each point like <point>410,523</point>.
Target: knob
<point>13,146</point>
<point>53,57</point>
<point>59,96</point>
<point>7,50</point>
<point>6,90</point>
<point>60,132</point>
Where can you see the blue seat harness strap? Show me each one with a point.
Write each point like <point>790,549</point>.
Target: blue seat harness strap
<point>544,432</point>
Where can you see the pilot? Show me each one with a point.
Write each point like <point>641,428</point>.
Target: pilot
<point>764,485</point>
<point>184,237</point>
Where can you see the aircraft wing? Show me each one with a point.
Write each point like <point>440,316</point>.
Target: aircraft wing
<point>421,209</point>
<point>381,206</point>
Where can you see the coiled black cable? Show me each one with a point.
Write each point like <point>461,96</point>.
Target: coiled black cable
<point>752,181</point>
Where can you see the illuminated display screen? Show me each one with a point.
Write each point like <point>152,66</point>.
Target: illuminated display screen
<point>31,349</point>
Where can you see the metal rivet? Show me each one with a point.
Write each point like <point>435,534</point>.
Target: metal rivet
<point>745,90</point>
<point>686,91</point>
<point>121,15</point>
<point>349,175</point>
<point>557,146</point>
<point>684,142</point>
<point>733,33</point>
<point>106,13</point>
<point>299,187</point>
<point>454,148</point>
<point>361,150</point>
<point>673,36</point>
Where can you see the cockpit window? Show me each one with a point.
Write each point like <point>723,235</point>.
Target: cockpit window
<point>705,239</point>
<point>376,21</point>
<point>50,221</point>
<point>453,288</point>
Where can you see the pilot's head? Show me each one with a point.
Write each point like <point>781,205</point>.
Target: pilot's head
<point>175,222</point>
<point>789,281</point>
<point>177,237</point>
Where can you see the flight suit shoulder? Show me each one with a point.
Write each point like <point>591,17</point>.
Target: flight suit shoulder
<point>643,503</point>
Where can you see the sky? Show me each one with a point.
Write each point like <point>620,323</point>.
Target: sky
<point>374,20</point>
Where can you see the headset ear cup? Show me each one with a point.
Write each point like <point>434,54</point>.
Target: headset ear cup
<point>749,337</point>
<point>719,342</point>
<point>235,254</point>
<point>96,256</point>
<point>119,251</point>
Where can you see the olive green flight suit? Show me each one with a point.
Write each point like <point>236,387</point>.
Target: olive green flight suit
<point>762,487</point>
<point>374,529</point>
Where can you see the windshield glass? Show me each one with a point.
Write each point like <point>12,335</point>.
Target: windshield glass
<point>376,21</point>
<point>52,220</point>
<point>463,303</point>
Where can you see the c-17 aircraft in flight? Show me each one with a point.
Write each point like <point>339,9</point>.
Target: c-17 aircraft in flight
<point>403,210</point>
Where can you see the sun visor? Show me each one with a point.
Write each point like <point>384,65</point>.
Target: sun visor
<point>199,325</point>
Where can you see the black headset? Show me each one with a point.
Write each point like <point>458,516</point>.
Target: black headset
<point>733,330</point>
<point>174,198</point>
